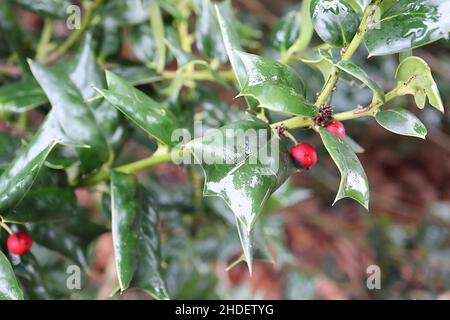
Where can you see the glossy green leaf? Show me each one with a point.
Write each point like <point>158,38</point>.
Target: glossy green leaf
<point>77,234</point>
<point>148,114</point>
<point>356,71</point>
<point>276,86</point>
<point>125,225</point>
<point>231,41</point>
<point>9,287</point>
<point>207,33</point>
<point>74,116</point>
<point>85,74</point>
<point>415,78</point>
<point>51,8</point>
<point>148,275</point>
<point>19,176</point>
<point>21,97</point>
<point>44,205</point>
<point>354,182</point>
<point>401,121</point>
<point>335,21</point>
<point>408,24</point>
<point>240,170</point>
<point>286,31</point>
<point>142,43</point>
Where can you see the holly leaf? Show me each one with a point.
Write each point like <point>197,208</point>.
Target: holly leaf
<point>44,205</point>
<point>151,116</point>
<point>21,97</point>
<point>75,118</point>
<point>125,225</point>
<point>408,24</point>
<point>232,44</point>
<point>240,169</point>
<point>148,275</point>
<point>19,176</point>
<point>401,121</point>
<point>357,72</point>
<point>335,21</point>
<point>77,233</point>
<point>415,78</point>
<point>354,182</point>
<point>9,287</point>
<point>276,86</point>
<point>85,74</point>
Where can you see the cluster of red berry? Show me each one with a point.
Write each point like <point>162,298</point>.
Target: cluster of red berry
<point>305,156</point>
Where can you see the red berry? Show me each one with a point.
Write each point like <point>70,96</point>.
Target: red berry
<point>337,128</point>
<point>19,242</point>
<point>304,155</point>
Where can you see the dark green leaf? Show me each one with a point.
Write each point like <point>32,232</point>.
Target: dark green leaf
<point>9,287</point>
<point>125,226</point>
<point>357,72</point>
<point>18,178</point>
<point>148,275</point>
<point>415,78</point>
<point>408,24</point>
<point>85,75</point>
<point>52,8</point>
<point>276,86</point>
<point>354,182</point>
<point>401,121</point>
<point>335,21</point>
<point>73,115</point>
<point>69,238</point>
<point>148,114</point>
<point>43,205</point>
<point>234,167</point>
<point>21,97</point>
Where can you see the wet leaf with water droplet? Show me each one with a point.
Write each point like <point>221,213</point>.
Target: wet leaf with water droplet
<point>276,86</point>
<point>148,114</point>
<point>354,182</point>
<point>335,21</point>
<point>408,24</point>
<point>243,174</point>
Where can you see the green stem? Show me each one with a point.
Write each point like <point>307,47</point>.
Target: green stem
<point>78,33</point>
<point>157,25</point>
<point>5,226</point>
<point>347,55</point>
<point>46,36</point>
<point>132,167</point>
<point>359,112</point>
